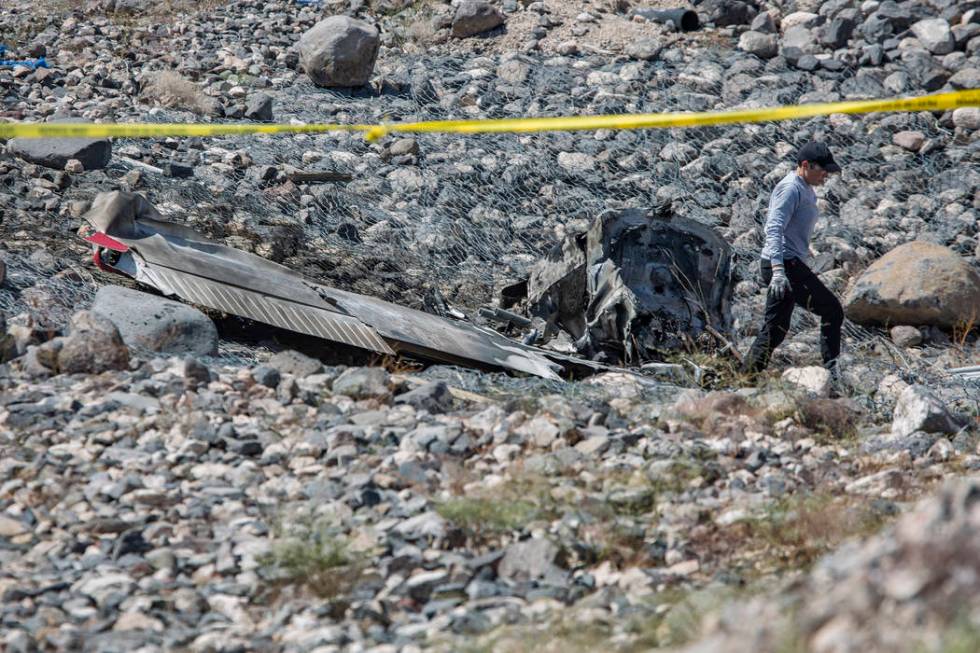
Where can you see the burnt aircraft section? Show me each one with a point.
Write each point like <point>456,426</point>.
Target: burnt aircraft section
<point>636,284</point>
<point>133,239</point>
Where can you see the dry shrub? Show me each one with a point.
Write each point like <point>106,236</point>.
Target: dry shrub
<point>172,90</point>
<point>835,418</point>
<point>421,31</point>
<point>701,410</point>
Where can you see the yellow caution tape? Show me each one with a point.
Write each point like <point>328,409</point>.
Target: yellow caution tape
<point>936,102</point>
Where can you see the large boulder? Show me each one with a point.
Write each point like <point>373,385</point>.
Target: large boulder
<point>339,51</point>
<point>475,17</point>
<point>918,284</point>
<point>636,283</point>
<point>157,324</point>
<point>94,153</point>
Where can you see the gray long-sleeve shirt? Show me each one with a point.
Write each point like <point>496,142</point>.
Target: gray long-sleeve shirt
<point>790,219</point>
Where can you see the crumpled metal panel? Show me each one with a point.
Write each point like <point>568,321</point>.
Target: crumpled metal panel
<point>176,260</point>
<point>636,283</point>
<point>263,308</point>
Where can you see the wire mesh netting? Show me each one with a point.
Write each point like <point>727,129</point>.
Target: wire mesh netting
<point>465,214</point>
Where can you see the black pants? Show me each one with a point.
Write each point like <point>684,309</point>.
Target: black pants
<point>810,293</point>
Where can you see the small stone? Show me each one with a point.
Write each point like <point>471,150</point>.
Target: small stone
<point>433,397</point>
<point>474,17</point>
<point>404,146</point>
<point>363,383</point>
<point>644,49</point>
<point>74,166</point>
<point>594,446</point>
<point>577,162</point>
<point>266,375</point>
<point>812,379</point>
<point>764,46</point>
<point>10,527</point>
<point>259,108</point>
<point>176,170</point>
<point>909,140</point>
<point>196,373</point>
<point>684,568</point>
<point>532,559</point>
<point>137,621</point>
<point>935,35</point>
<point>967,118</point>
<point>906,336</point>
<point>295,363</point>
<point>567,48</point>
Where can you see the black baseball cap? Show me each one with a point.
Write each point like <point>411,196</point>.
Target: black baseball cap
<point>817,152</point>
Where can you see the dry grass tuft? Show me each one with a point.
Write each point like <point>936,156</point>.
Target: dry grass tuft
<point>794,532</point>
<point>172,90</point>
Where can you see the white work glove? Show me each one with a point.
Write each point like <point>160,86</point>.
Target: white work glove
<point>779,284</point>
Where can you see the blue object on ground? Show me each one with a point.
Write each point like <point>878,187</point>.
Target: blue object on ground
<point>30,63</point>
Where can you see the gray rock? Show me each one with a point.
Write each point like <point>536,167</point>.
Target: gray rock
<point>836,33</point>
<point>533,559</point>
<point>94,345</point>
<point>724,13</point>
<point>645,49</point>
<point>404,146</point>
<point>916,443</point>
<point>967,118</point>
<point>764,46</point>
<point>339,51</point>
<point>965,77</point>
<point>474,17</point>
<point>266,375</point>
<point>763,23</point>
<point>918,283</point>
<point>259,107</point>
<point>93,153</point>
<point>295,363</point>
<point>917,409</point>
<point>196,373</point>
<point>801,38</point>
<point>155,323</point>
<point>909,140</point>
<point>935,36</point>
<point>427,526</point>
<point>363,383</point>
<point>906,336</point>
<point>433,397</point>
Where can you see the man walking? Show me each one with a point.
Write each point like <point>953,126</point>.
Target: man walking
<point>789,224</point>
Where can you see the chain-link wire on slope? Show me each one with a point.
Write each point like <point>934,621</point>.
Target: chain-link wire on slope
<point>468,213</point>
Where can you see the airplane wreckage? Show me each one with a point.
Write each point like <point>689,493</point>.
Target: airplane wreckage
<point>586,289</point>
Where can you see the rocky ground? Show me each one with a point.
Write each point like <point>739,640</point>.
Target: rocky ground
<point>254,498</point>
